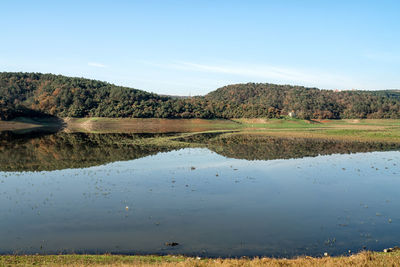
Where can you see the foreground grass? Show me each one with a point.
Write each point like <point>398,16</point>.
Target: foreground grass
<point>361,259</point>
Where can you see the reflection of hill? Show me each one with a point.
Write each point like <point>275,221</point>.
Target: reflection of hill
<point>48,151</point>
<point>37,152</point>
<point>260,147</point>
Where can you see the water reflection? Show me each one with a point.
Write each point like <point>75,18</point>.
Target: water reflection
<point>261,147</point>
<point>37,151</point>
<point>210,204</point>
<point>49,151</point>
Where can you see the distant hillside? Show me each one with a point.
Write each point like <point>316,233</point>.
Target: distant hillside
<point>263,99</point>
<point>35,94</point>
<point>62,96</point>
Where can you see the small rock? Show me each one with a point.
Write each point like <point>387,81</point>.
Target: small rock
<point>171,244</point>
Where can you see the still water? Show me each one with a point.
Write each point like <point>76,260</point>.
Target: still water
<point>213,200</point>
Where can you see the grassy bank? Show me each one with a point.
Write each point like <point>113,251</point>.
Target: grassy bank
<point>352,130</point>
<point>150,125</point>
<point>27,124</point>
<point>360,259</point>
<point>360,130</point>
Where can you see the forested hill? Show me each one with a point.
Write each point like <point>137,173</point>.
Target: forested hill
<point>255,98</point>
<point>35,94</point>
<point>57,95</point>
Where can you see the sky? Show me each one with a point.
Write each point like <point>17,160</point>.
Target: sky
<point>191,47</point>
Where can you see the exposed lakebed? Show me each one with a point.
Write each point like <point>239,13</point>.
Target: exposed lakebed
<point>217,194</point>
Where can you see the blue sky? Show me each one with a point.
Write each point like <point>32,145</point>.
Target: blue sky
<point>193,47</point>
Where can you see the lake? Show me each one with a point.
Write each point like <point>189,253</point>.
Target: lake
<point>220,194</point>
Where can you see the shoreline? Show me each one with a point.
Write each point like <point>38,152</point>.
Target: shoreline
<point>379,130</point>
<point>364,258</point>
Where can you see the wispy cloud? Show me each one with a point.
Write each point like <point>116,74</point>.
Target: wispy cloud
<point>97,65</point>
<point>383,56</point>
<point>267,73</point>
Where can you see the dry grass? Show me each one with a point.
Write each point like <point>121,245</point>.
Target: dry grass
<point>354,130</point>
<point>151,125</point>
<point>15,125</point>
<point>360,259</point>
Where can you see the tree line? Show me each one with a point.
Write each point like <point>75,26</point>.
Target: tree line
<point>36,94</point>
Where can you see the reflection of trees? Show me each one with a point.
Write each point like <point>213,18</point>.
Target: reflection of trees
<point>259,147</point>
<point>49,151</point>
<point>60,151</point>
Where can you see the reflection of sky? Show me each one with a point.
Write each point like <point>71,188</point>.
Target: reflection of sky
<point>299,204</point>
<point>204,158</point>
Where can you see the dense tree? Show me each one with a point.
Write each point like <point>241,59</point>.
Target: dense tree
<point>271,100</point>
<point>35,94</point>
